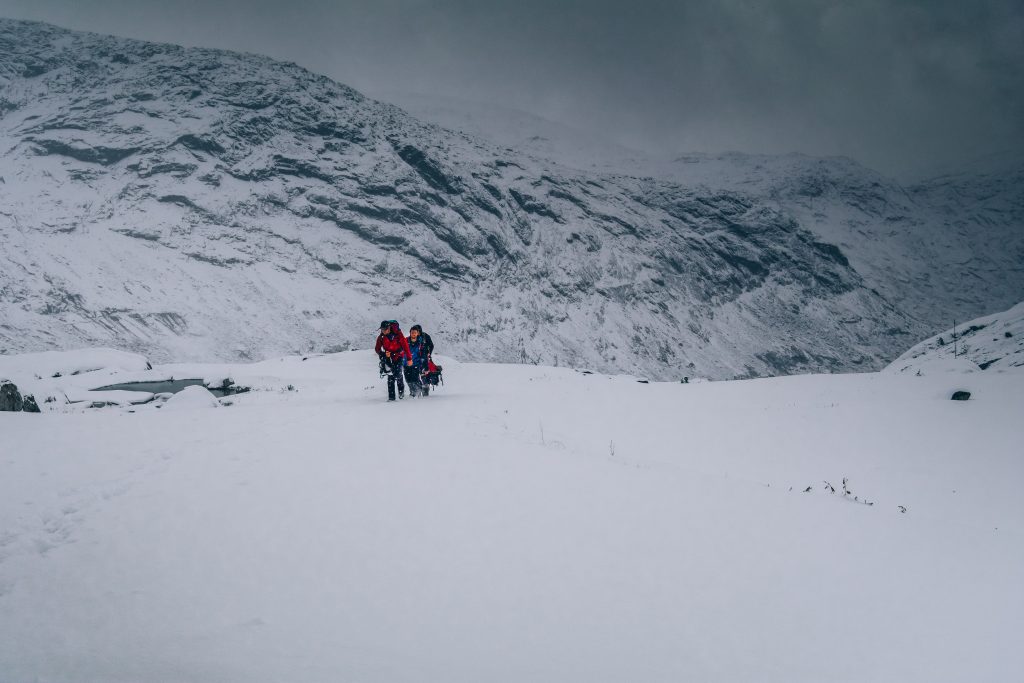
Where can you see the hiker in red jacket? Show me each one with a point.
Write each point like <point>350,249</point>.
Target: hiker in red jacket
<point>393,350</point>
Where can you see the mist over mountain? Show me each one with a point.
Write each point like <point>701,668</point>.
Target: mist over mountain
<point>196,203</point>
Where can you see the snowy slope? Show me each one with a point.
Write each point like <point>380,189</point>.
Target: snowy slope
<point>993,343</point>
<point>524,523</point>
<point>196,204</point>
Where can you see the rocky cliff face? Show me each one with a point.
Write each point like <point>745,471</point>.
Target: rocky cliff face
<point>204,204</point>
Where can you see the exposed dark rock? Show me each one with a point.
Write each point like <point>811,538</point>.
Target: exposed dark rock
<point>223,263</point>
<point>105,156</point>
<point>531,205</point>
<point>832,251</point>
<point>10,398</point>
<point>428,170</point>
<point>380,190</point>
<point>228,388</point>
<point>486,206</point>
<point>29,404</point>
<point>170,168</point>
<point>138,235</point>
<point>571,198</point>
<point>300,169</point>
<point>961,395</point>
<point>200,143</point>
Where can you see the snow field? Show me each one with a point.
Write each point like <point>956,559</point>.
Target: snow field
<point>521,524</point>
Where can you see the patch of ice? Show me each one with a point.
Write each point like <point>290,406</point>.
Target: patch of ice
<point>113,396</point>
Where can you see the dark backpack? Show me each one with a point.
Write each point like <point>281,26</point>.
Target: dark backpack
<point>433,374</point>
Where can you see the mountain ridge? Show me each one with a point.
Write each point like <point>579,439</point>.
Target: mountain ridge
<point>194,204</point>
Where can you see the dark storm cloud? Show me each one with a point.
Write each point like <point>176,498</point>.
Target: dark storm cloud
<point>903,86</point>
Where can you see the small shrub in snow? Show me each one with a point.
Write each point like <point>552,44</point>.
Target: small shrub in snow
<point>847,493</point>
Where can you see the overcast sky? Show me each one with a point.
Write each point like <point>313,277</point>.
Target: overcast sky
<point>903,86</point>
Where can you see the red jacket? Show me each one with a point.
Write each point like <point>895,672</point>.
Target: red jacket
<point>395,345</point>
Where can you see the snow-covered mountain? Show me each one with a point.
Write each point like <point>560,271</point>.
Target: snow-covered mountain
<point>205,204</point>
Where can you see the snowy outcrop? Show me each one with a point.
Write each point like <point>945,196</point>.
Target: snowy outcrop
<point>191,398</point>
<point>993,343</point>
<point>199,204</point>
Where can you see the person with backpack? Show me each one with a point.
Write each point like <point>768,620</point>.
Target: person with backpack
<point>421,347</point>
<point>393,350</point>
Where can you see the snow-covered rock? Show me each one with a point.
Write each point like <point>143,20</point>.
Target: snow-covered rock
<point>195,204</point>
<point>194,397</point>
<point>29,404</point>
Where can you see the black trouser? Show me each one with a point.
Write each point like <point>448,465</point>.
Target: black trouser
<point>414,378</point>
<point>393,369</point>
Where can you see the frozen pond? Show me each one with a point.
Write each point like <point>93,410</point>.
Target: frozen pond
<point>169,386</point>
